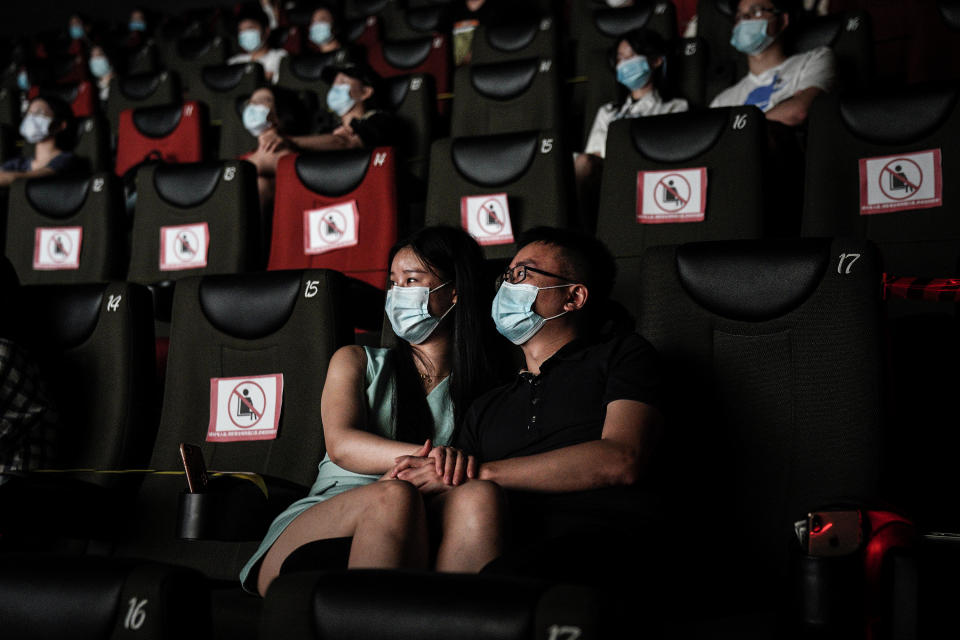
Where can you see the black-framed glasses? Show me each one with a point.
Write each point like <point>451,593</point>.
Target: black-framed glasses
<point>755,13</point>
<point>517,274</point>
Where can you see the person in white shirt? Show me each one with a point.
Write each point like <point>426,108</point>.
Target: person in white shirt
<point>782,87</point>
<point>252,31</point>
<point>640,57</point>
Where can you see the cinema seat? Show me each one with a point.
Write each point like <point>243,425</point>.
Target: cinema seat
<point>171,133</point>
<point>428,55</point>
<point>220,85</point>
<point>141,90</point>
<point>515,40</point>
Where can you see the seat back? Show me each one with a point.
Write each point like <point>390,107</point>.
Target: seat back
<point>412,23</point>
<point>220,85</point>
<point>93,143</point>
<point>428,55</point>
<point>9,107</point>
<point>849,34</point>
<point>228,330</point>
<point>191,54</point>
<point>715,26</point>
<point>142,59</point>
<point>680,178</point>
<point>66,229</point>
<point>496,187</point>
<point>853,184</point>
<point>412,100</point>
<point>88,339</point>
<point>141,90</point>
<point>172,133</point>
<point>81,97</point>
<point>506,97</point>
<point>195,219</point>
<point>604,26</point>
<point>511,41</point>
<point>336,210</point>
<point>772,363</point>
<point>235,140</point>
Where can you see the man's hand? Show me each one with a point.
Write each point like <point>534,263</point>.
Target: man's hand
<point>270,141</point>
<point>425,478</point>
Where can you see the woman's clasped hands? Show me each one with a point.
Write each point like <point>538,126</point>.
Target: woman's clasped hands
<point>434,469</point>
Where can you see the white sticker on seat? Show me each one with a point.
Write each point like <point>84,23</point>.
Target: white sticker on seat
<point>329,228</point>
<point>184,246</point>
<point>679,195</point>
<point>245,408</point>
<point>906,181</point>
<point>487,218</point>
<point>57,248</point>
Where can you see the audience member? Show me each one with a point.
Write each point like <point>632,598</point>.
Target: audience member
<point>252,31</point>
<point>102,70</point>
<point>50,127</point>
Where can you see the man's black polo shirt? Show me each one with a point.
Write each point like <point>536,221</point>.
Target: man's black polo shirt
<point>566,404</point>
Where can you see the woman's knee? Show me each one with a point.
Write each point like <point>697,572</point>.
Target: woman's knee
<point>397,497</point>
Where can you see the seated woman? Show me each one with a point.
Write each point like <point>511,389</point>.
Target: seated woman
<point>49,126</point>
<point>252,31</point>
<point>379,405</point>
<point>323,34</point>
<point>639,61</point>
<point>262,118</point>
<point>102,70</point>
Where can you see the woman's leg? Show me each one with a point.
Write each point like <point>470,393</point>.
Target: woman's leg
<point>472,520</point>
<point>386,519</point>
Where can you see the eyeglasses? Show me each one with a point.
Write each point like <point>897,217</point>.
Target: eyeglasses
<point>517,274</point>
<point>755,13</point>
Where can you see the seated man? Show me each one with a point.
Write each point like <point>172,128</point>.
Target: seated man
<point>571,436</point>
<point>252,32</point>
<point>780,86</point>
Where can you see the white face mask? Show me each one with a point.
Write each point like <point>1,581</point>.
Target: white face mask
<point>255,118</point>
<point>513,314</point>
<point>35,127</point>
<point>409,315</point>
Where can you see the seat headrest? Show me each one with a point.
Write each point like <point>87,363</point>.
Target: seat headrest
<point>66,92</point>
<point>333,173</point>
<point>504,80</point>
<point>252,306</point>
<point>140,85</point>
<point>224,77</point>
<point>950,10</point>
<point>425,18</point>
<point>898,118</point>
<point>57,197</point>
<point>369,7</point>
<point>613,23</point>
<point>726,7</point>
<point>187,184</point>
<point>491,161</point>
<point>159,121</point>
<point>311,66</point>
<point>191,48</point>
<point>512,37</point>
<point>752,281</point>
<point>61,66</point>
<point>822,32</point>
<point>395,89</point>
<point>679,136</point>
<point>407,54</point>
<point>66,316</point>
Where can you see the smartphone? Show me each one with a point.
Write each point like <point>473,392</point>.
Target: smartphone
<point>194,467</point>
<point>834,533</point>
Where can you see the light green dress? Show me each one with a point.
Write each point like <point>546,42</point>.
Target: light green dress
<point>332,480</point>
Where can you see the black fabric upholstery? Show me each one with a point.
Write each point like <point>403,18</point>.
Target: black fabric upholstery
<point>669,139</point>
<point>750,282</point>
<point>822,33</point>
<point>407,54</point>
<point>950,10</point>
<point>159,121</point>
<point>492,161</point>
<point>512,36</point>
<point>361,8</point>
<point>68,319</point>
<point>187,184</point>
<point>333,174</point>
<point>223,77</point>
<point>899,118</point>
<point>616,22</point>
<point>311,66</point>
<point>192,48</point>
<point>57,197</point>
<point>140,86</point>
<point>396,89</point>
<point>504,80</point>
<point>267,301</point>
<point>426,18</point>
<point>66,92</point>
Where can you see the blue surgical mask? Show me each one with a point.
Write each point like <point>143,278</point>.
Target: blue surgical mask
<point>99,66</point>
<point>76,31</point>
<point>407,310</point>
<point>320,33</point>
<point>750,37</point>
<point>23,81</point>
<point>633,73</point>
<point>35,127</point>
<point>255,118</point>
<point>137,25</point>
<point>513,313</point>
<point>339,99</point>
<point>249,40</point>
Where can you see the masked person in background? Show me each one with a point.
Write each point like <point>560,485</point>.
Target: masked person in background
<point>102,70</point>
<point>49,126</point>
<point>267,116</point>
<point>379,404</point>
<point>639,60</point>
<point>780,86</point>
<point>252,32</point>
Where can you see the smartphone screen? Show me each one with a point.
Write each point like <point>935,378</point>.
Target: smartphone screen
<point>194,467</point>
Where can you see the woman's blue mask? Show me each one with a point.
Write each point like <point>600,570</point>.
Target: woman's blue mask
<point>99,66</point>
<point>409,315</point>
<point>339,99</point>
<point>255,118</point>
<point>76,31</point>
<point>633,73</point>
<point>750,37</point>
<point>513,313</point>
<point>320,33</point>
<point>249,40</point>
<point>23,81</point>
<point>137,25</point>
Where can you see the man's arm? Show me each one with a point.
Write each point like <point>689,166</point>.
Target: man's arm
<point>618,458</point>
<point>793,111</point>
<point>341,138</point>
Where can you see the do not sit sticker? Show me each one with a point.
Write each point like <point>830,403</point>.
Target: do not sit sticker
<point>184,246</point>
<point>907,181</point>
<point>57,248</point>
<point>487,218</point>
<point>243,409</point>
<point>329,228</point>
<point>679,195</point>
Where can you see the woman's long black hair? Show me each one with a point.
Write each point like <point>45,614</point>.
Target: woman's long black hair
<point>455,257</point>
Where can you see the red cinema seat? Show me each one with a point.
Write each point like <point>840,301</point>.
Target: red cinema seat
<point>429,55</point>
<point>336,210</point>
<point>172,133</point>
<point>81,96</point>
